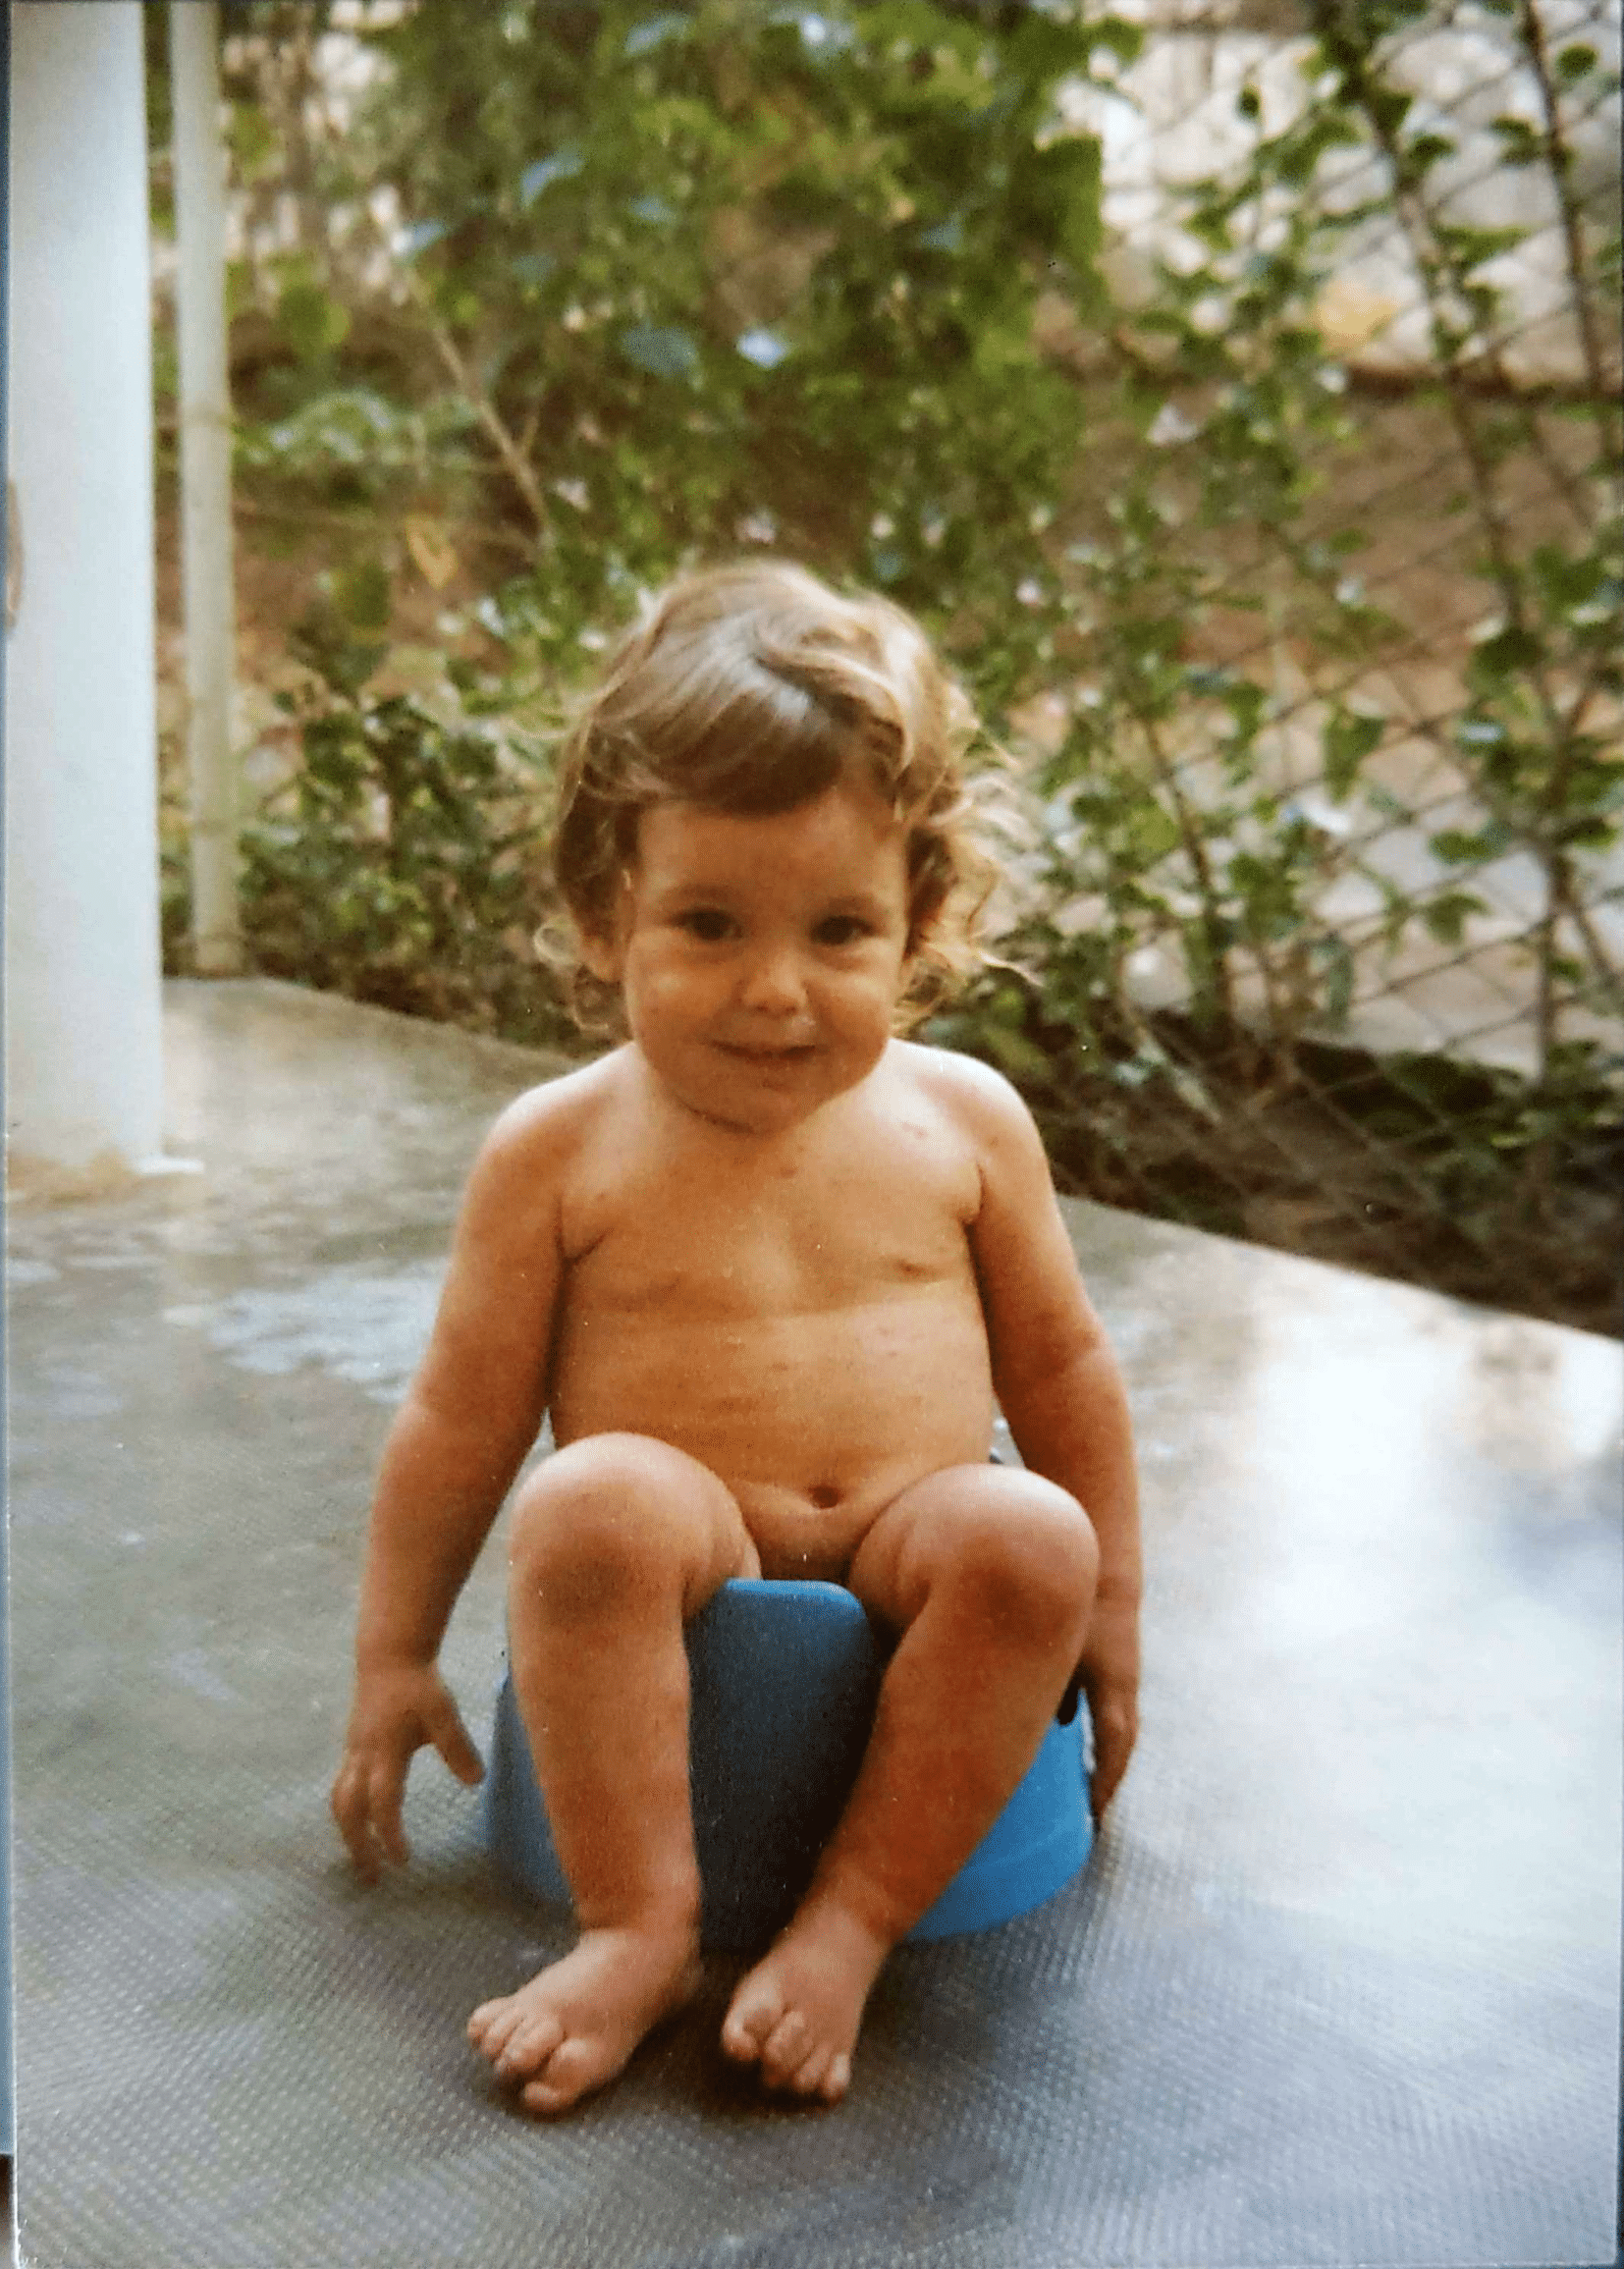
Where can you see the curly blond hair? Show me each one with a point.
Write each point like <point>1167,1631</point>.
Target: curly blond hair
<point>753,688</point>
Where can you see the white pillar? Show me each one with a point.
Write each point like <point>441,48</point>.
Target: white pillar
<point>83,1062</point>
<point>208,606</point>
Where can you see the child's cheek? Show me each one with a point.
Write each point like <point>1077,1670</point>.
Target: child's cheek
<point>676,997</point>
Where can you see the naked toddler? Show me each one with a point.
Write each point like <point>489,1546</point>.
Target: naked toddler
<point>771,1269</point>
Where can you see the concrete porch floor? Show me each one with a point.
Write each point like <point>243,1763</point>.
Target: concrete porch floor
<point>1340,1986</point>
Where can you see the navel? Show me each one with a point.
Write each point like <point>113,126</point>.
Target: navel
<point>823,1495</point>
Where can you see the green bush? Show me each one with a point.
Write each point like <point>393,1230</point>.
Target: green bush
<point>399,863</point>
<point>741,272</point>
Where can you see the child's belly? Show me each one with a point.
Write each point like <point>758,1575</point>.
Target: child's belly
<point>815,1422</point>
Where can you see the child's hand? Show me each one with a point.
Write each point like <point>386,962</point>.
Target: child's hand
<point>1108,1674</point>
<point>398,1711</point>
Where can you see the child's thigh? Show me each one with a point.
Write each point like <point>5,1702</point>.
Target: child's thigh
<point>617,1514</point>
<point>1006,1541</point>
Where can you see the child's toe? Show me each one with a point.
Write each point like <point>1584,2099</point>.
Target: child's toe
<point>786,2046</point>
<point>837,2079</point>
<point>808,2077</point>
<point>492,2027</point>
<point>748,2026</point>
<point>541,2096</point>
<point>483,2020</point>
<point>573,2070</point>
<point>530,2044</point>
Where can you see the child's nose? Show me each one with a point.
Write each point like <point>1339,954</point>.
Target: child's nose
<point>774,983</point>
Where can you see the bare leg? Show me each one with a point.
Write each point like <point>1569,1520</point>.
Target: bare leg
<point>989,1574</point>
<point>618,1539</point>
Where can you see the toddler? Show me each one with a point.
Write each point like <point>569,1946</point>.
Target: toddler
<point>771,1269</point>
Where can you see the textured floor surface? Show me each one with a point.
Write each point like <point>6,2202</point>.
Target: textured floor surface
<point>1340,1986</point>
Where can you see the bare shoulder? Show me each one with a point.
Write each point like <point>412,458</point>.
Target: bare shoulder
<point>980,1102</point>
<point>557,1113</point>
<point>528,1153</point>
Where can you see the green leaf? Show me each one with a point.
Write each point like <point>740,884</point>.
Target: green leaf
<point>1461,847</point>
<point>311,322</point>
<point>1566,582</point>
<point>239,288</point>
<point>363,596</point>
<point>1125,39</point>
<point>1574,62</point>
<point>1521,144</point>
<point>1427,150</point>
<point>1082,230</point>
<point>1502,654</point>
<point>1020,1057</point>
<point>1468,248</point>
<point>1349,736</point>
<point>1587,833</point>
<point>252,143</point>
<point>1152,831</point>
<point>1445,916</point>
<point>1247,703</point>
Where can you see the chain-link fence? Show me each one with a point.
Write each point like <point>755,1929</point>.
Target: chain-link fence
<point>1316,911</point>
<point>1432,975</point>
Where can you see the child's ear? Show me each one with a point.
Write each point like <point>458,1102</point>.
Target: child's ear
<point>603,940</point>
<point>603,956</point>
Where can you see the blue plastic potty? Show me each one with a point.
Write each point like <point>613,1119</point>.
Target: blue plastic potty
<point>783,1678</point>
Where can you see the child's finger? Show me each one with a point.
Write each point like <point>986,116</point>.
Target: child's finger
<point>451,1738</point>
<point>387,1788</point>
<point>1112,1750</point>
<point>349,1811</point>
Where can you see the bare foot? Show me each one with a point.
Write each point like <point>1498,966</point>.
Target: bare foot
<point>576,2022</point>
<point>797,2012</point>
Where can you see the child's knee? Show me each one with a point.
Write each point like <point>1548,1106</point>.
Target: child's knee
<point>606,1523</point>
<point>1026,1553</point>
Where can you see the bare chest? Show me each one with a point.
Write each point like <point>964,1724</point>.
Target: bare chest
<point>679,1236</point>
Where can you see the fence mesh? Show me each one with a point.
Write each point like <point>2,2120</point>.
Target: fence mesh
<point>1455,1118</point>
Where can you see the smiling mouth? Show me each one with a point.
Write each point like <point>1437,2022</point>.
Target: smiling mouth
<point>797,1054</point>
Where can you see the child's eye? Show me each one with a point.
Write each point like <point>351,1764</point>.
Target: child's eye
<point>706,923</point>
<point>841,930</point>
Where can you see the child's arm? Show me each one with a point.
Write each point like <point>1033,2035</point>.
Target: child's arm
<point>473,1412</point>
<point>1058,1384</point>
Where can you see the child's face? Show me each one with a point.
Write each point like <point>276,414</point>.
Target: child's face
<point>761,960</point>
